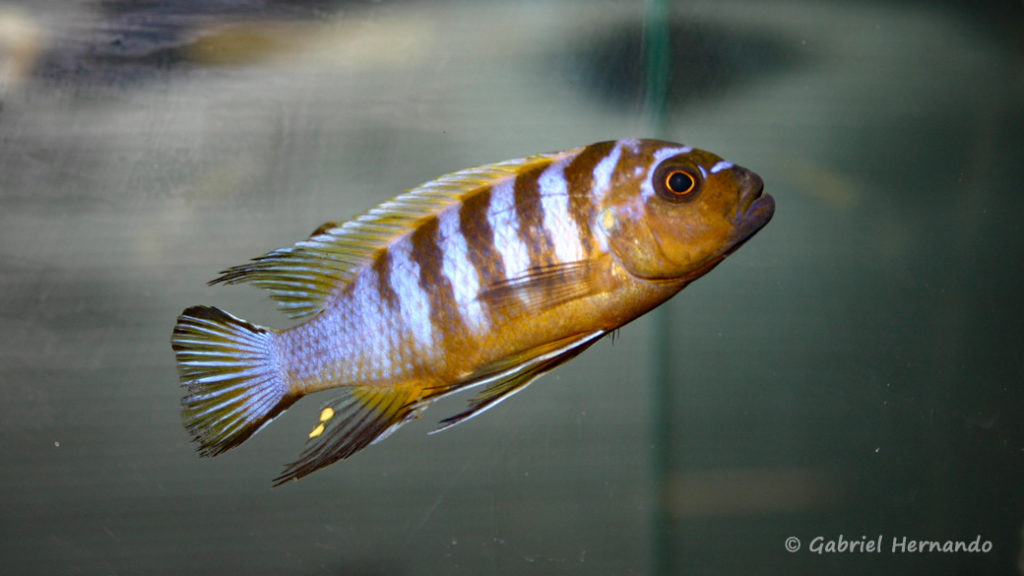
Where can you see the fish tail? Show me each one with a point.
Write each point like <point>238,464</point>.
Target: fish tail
<point>233,384</point>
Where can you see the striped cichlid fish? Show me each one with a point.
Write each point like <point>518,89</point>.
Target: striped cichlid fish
<point>488,277</point>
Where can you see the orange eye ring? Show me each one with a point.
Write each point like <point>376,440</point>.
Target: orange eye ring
<point>680,183</point>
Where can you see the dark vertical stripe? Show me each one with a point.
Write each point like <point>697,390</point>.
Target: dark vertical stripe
<point>388,297</point>
<point>531,218</point>
<point>579,177</point>
<point>443,313</point>
<point>480,238</point>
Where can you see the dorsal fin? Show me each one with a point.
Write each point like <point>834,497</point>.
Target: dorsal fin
<point>302,277</point>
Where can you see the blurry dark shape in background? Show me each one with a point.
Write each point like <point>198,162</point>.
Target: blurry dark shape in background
<point>120,43</point>
<point>705,60</point>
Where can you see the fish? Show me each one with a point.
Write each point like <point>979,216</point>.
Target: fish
<point>486,278</point>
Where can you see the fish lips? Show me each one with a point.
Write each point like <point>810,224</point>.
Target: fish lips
<point>755,210</point>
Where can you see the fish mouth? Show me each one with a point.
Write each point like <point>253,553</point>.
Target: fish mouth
<point>754,211</point>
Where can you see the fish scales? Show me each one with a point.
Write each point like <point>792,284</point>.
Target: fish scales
<point>505,218</point>
<point>532,228</point>
<point>488,278</point>
<point>463,278</point>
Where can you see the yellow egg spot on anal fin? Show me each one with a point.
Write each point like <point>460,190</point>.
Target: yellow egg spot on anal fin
<point>608,220</point>
<point>326,414</point>
<point>317,431</point>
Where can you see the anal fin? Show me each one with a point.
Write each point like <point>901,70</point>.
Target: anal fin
<point>508,376</point>
<point>368,413</point>
<point>363,415</point>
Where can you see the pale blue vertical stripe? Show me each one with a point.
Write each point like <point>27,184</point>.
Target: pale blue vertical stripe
<point>460,272</point>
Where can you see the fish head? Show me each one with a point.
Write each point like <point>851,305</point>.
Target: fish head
<point>674,212</point>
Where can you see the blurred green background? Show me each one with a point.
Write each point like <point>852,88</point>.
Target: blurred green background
<point>856,369</point>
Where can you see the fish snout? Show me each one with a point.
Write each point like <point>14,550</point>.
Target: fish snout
<point>751,189</point>
<point>754,208</point>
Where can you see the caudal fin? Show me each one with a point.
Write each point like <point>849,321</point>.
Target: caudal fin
<point>233,386</point>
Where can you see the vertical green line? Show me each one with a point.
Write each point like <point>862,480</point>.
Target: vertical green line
<point>657,55</point>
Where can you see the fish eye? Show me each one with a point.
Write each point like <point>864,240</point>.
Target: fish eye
<point>677,184</point>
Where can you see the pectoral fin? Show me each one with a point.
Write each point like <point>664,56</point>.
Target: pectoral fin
<point>508,376</point>
<point>542,287</point>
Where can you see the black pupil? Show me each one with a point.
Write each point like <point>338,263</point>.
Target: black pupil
<point>680,182</point>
